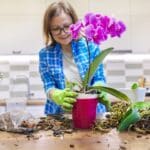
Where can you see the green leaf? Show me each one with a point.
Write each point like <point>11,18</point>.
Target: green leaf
<point>113,92</point>
<point>94,65</point>
<point>70,85</point>
<point>141,105</point>
<point>134,86</point>
<point>105,102</point>
<point>131,117</point>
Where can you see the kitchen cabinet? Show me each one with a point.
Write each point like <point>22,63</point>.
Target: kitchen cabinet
<point>21,23</point>
<point>140,23</point>
<point>21,26</point>
<point>135,14</point>
<point>121,11</point>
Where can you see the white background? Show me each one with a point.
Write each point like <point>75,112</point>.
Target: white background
<point>21,23</point>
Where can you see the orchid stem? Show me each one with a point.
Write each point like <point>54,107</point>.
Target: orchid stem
<point>88,62</point>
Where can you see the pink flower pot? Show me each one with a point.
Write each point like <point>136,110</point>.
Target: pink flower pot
<point>84,111</point>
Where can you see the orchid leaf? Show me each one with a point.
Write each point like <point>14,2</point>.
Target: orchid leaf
<point>105,102</point>
<point>141,105</point>
<point>94,65</point>
<point>113,92</point>
<point>131,117</point>
<point>70,85</point>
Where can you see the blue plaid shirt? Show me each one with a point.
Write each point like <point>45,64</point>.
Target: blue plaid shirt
<point>51,68</point>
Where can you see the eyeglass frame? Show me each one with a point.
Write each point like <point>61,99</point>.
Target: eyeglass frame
<point>60,29</point>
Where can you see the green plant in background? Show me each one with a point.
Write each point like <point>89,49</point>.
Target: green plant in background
<point>134,86</point>
<point>126,116</point>
<point>134,114</point>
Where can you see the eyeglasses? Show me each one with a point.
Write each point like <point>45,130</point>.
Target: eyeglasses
<point>58,30</point>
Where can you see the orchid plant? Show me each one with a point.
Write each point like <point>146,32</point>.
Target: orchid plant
<point>98,28</point>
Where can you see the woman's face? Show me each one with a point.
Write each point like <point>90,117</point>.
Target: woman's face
<point>59,27</point>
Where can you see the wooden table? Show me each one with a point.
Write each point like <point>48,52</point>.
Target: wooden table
<point>80,140</point>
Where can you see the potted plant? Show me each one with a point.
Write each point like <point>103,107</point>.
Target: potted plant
<point>96,28</point>
<point>137,109</point>
<point>124,116</point>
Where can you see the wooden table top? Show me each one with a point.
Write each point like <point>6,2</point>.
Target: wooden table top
<point>80,140</point>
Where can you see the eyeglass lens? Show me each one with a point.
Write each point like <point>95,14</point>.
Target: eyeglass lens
<point>58,30</point>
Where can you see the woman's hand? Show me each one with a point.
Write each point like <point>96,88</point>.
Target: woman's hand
<point>64,98</point>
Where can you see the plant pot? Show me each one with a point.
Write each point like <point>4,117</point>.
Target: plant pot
<point>84,111</point>
<point>135,95</point>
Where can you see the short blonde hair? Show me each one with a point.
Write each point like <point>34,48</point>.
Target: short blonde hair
<point>54,10</point>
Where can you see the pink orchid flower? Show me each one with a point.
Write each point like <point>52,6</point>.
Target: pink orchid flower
<point>97,28</point>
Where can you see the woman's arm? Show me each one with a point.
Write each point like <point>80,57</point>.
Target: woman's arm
<point>46,76</point>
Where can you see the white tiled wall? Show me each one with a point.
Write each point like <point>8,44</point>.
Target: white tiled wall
<point>121,71</point>
<point>4,84</point>
<point>14,67</point>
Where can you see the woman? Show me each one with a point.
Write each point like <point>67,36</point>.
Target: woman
<point>63,58</point>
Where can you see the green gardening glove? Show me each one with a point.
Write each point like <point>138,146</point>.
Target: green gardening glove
<point>64,98</point>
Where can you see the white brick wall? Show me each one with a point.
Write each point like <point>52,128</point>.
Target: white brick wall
<point>121,71</point>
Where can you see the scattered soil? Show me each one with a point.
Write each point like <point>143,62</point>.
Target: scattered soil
<point>71,146</point>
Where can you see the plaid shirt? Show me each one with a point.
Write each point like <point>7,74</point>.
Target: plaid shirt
<point>51,68</point>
